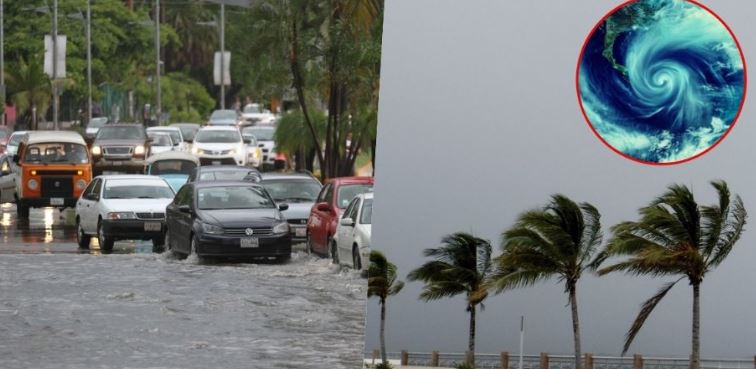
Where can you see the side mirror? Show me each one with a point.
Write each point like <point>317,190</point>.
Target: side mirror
<point>283,207</point>
<point>185,209</point>
<point>92,197</point>
<point>323,206</point>
<point>348,222</point>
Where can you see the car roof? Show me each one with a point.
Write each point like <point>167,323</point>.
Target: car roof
<point>225,168</point>
<point>207,184</point>
<point>55,136</point>
<point>129,176</point>
<point>351,180</point>
<point>252,128</point>
<point>163,128</point>
<point>173,155</point>
<point>287,175</point>
<point>219,128</point>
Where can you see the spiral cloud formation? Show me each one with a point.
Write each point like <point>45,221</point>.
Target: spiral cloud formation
<point>661,80</point>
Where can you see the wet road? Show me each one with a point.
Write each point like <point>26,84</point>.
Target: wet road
<point>61,307</point>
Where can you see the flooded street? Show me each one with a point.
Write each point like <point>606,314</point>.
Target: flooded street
<point>61,307</point>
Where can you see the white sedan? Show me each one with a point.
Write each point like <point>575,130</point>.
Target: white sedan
<point>8,178</point>
<point>351,242</point>
<point>123,207</point>
<point>216,145</point>
<point>177,137</point>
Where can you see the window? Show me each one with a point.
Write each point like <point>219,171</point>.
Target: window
<point>217,136</point>
<point>233,197</point>
<point>228,175</point>
<point>184,196</point>
<point>261,133</point>
<point>350,212</point>
<point>348,192</point>
<point>172,167</point>
<point>97,187</point>
<point>56,152</point>
<point>367,212</point>
<point>328,196</point>
<point>321,195</point>
<point>293,190</point>
<point>129,189</point>
<point>90,188</point>
<point>120,133</point>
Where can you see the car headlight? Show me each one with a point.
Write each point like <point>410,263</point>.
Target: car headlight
<point>139,150</point>
<point>33,184</point>
<point>80,184</point>
<point>196,151</point>
<point>233,152</point>
<point>281,228</point>
<point>96,150</point>
<point>121,215</point>
<point>211,229</point>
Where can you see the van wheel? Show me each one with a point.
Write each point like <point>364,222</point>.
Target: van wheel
<point>22,211</point>
<point>82,238</point>
<point>334,253</point>
<point>106,243</point>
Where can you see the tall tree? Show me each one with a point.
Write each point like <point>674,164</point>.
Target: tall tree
<point>382,283</point>
<point>31,89</point>
<point>676,236</point>
<point>459,266</point>
<point>559,240</point>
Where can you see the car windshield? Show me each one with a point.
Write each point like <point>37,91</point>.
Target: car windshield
<point>252,108</point>
<point>188,132</point>
<point>139,189</point>
<point>160,139</point>
<point>56,152</point>
<point>15,139</point>
<point>228,175</point>
<point>349,191</point>
<point>223,114</point>
<point>120,133</point>
<point>233,197</point>
<point>216,136</point>
<point>172,167</point>
<point>175,135</point>
<point>300,190</point>
<point>262,134</point>
<point>97,122</point>
<point>367,212</point>
<point>252,139</point>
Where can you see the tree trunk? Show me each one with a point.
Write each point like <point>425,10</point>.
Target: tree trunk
<point>575,324</point>
<point>471,342</point>
<point>383,331</point>
<point>695,355</point>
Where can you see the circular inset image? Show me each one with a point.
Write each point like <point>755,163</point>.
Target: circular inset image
<point>661,81</point>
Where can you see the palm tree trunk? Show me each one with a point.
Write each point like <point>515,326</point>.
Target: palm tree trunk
<point>695,356</point>
<point>471,342</point>
<point>383,331</point>
<point>575,324</point>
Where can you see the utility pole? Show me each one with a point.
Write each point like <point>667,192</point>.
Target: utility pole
<point>158,107</point>
<point>222,55</point>
<point>89,60</point>
<point>55,64</point>
<point>2,60</point>
<point>522,338</point>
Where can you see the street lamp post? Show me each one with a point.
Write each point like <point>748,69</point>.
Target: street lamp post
<point>55,63</point>
<point>158,106</point>
<point>89,61</point>
<point>2,60</point>
<point>222,56</point>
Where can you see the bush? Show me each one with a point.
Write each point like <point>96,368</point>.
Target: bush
<point>464,366</point>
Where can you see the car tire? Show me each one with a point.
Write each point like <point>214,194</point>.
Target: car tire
<point>283,259</point>
<point>22,211</point>
<point>334,252</point>
<point>308,245</point>
<point>158,244</point>
<point>167,241</point>
<point>356,260</point>
<point>193,248</point>
<point>82,238</point>
<point>106,243</point>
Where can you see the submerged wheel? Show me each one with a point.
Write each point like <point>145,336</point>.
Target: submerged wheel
<point>356,260</point>
<point>334,253</point>
<point>106,243</point>
<point>82,238</point>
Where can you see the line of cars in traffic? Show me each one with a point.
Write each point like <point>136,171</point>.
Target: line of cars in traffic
<point>200,200</point>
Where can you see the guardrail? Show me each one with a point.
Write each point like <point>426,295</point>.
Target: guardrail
<point>504,360</point>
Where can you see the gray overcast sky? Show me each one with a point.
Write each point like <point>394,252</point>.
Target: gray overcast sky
<point>479,121</point>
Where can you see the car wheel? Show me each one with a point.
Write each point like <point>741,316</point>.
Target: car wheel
<point>308,245</point>
<point>158,244</point>
<point>283,259</point>
<point>334,253</point>
<point>22,211</point>
<point>106,243</point>
<point>167,240</point>
<point>81,238</point>
<point>356,261</point>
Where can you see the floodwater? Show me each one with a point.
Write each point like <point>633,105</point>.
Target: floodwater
<point>62,307</point>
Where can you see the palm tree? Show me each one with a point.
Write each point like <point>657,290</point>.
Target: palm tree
<point>676,236</point>
<point>558,240</point>
<point>460,265</point>
<point>30,87</point>
<point>382,283</point>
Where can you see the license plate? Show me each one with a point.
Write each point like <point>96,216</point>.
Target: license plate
<point>300,232</point>
<point>249,242</point>
<point>152,226</point>
<point>117,163</point>
<point>56,201</point>
<point>216,162</point>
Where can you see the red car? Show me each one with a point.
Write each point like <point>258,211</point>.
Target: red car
<point>330,204</point>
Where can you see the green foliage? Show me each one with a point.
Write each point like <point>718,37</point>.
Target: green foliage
<point>29,86</point>
<point>676,236</point>
<point>186,100</point>
<point>382,280</point>
<point>291,133</point>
